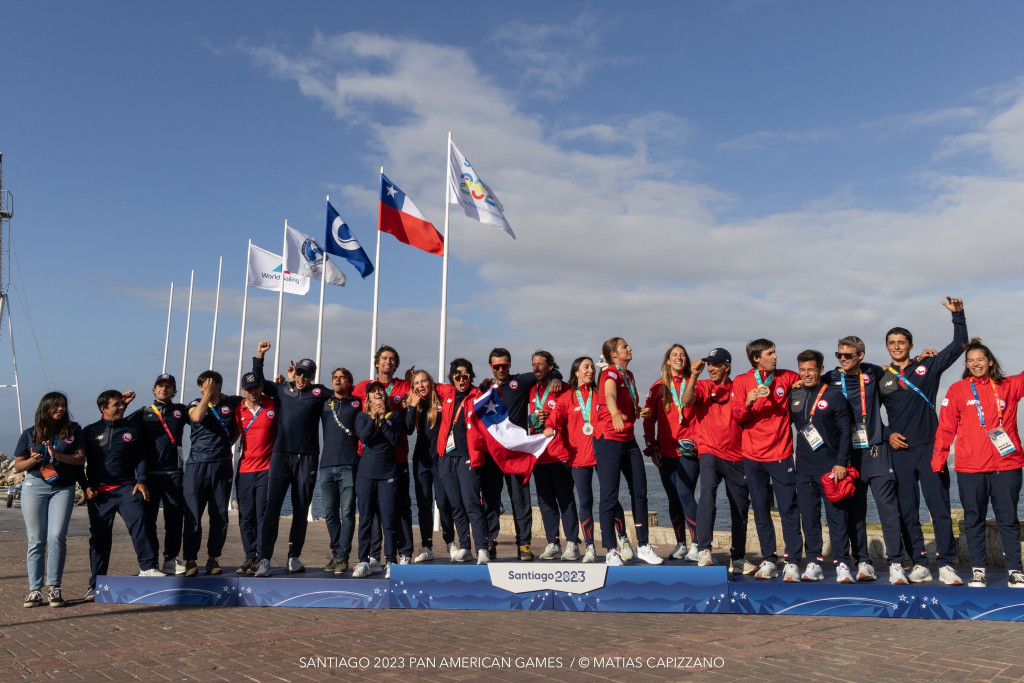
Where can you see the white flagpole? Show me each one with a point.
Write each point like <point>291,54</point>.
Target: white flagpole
<point>444,267</point>
<point>167,335</point>
<point>216,310</point>
<point>188,322</point>
<point>320,316</point>
<point>245,303</point>
<point>376,293</point>
<point>280,304</point>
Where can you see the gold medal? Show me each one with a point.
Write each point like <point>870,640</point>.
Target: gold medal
<point>763,390</point>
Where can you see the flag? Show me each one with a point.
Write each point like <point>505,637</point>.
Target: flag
<point>341,242</point>
<point>514,451</point>
<point>265,273</point>
<point>304,256</point>
<point>474,196</point>
<point>400,217</point>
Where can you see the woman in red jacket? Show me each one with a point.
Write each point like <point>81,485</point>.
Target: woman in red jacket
<point>980,412</point>
<point>669,438</point>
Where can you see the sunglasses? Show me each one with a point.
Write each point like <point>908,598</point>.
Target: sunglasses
<point>303,373</point>
<point>501,366</point>
<point>460,375</point>
<point>845,356</point>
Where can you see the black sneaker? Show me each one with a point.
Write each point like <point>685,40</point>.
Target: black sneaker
<point>212,567</point>
<point>246,566</point>
<point>1016,580</point>
<point>525,554</point>
<point>191,568</point>
<point>329,567</point>
<point>34,599</point>
<point>978,579</point>
<point>341,565</point>
<point>56,599</point>
<point>492,550</point>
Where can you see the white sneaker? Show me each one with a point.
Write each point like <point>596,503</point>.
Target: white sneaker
<point>948,576</point>
<point>453,550</point>
<point>387,570</point>
<point>625,549</point>
<point>812,572</point>
<point>791,573</point>
<point>866,571</point>
<point>1015,580</point>
<point>919,574</point>
<point>743,566</point>
<point>978,579</point>
<point>424,555</point>
<point>613,559</point>
<point>551,552</point>
<point>463,555</point>
<point>843,574</point>
<point>767,570</point>
<point>679,552</point>
<point>154,572</point>
<point>647,554</point>
<point>704,559</point>
<point>362,569</point>
<point>295,565</point>
<point>572,552</point>
<point>404,559</point>
<point>262,568</point>
<point>897,577</point>
<point>375,566</point>
<point>693,553</point>
<point>173,566</point>
<point>482,556</point>
<point>591,555</point>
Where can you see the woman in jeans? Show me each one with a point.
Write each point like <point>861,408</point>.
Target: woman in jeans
<point>51,453</point>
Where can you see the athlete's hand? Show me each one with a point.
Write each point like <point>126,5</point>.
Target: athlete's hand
<point>542,415</point>
<point>291,371</point>
<point>279,379</point>
<point>409,373</point>
<point>128,397</point>
<point>206,389</point>
<point>656,458</point>
<point>141,488</point>
<point>90,493</point>
<point>697,367</point>
<point>751,397</point>
<point>897,441</point>
<point>645,413</point>
<point>927,353</point>
<point>797,384</point>
<point>262,348</point>
<point>839,472</point>
<point>618,422</point>
<point>549,432</point>
<point>953,305</point>
<point>555,384</point>
<point>413,399</point>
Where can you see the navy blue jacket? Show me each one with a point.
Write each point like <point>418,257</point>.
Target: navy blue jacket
<point>67,474</point>
<point>113,454</point>
<point>162,455</point>
<point>834,421</point>
<point>872,380</point>
<point>515,395</point>
<point>213,436</point>
<point>379,438</point>
<point>298,413</point>
<point>341,447</point>
<point>425,452</point>
<point>909,414</point>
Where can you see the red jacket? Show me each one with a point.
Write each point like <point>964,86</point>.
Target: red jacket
<point>556,451</point>
<point>567,421</point>
<point>958,418</point>
<point>603,427</point>
<point>397,391</point>
<point>258,440</point>
<point>767,433</point>
<point>664,427</point>
<point>716,429</point>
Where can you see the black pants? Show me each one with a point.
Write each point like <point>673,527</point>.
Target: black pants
<point>876,472</point>
<point>298,472</point>
<point>166,488</point>
<point>375,499</point>
<point>430,490</point>
<point>615,458</point>
<point>809,495</point>
<point>450,480</point>
<point>207,489</point>
<point>101,525</point>
<point>583,478</point>
<point>713,471</point>
<point>252,488</point>
<point>781,476</point>
<point>556,501</point>
<point>913,469</point>
<point>491,480</point>
<point>1002,489</point>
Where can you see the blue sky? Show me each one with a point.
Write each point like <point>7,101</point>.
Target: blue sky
<point>696,172</point>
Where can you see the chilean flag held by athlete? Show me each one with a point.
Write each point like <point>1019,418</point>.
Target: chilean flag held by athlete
<point>400,217</point>
<point>514,451</point>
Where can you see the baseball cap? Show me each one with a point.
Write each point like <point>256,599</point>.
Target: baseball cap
<point>307,365</point>
<point>249,381</point>
<point>166,378</point>
<point>718,355</point>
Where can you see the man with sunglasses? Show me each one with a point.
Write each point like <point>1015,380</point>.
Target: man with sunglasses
<point>909,390</point>
<point>859,383</point>
<point>514,392</point>
<point>293,462</point>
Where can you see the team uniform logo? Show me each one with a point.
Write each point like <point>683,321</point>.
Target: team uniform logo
<point>551,403</point>
<point>270,414</point>
<point>514,384</point>
<point>822,404</point>
<point>396,399</point>
<point>920,370</point>
<point>316,392</point>
<point>780,392</point>
<point>69,441</point>
<point>355,404</point>
<point>225,410</point>
<point>867,379</point>
<point>177,414</point>
<point>127,437</point>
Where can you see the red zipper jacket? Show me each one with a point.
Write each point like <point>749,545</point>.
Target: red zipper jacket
<point>767,434</point>
<point>664,428</point>
<point>567,421</point>
<point>958,419</point>
<point>715,427</point>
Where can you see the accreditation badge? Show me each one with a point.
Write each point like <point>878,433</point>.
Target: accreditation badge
<point>813,437</point>
<point>1001,440</point>
<point>860,437</point>
<point>450,446</point>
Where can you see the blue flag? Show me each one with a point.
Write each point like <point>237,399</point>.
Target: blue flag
<point>341,242</point>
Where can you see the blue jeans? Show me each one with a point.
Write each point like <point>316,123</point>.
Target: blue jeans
<point>47,511</point>
<point>338,490</point>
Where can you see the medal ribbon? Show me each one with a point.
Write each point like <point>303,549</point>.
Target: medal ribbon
<point>584,409</point>
<point>677,395</point>
<point>767,381</point>
<point>539,400</point>
<point>630,386</point>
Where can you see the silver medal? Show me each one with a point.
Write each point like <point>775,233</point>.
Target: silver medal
<point>588,429</point>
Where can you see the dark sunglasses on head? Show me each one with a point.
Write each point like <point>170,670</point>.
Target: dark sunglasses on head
<point>845,356</point>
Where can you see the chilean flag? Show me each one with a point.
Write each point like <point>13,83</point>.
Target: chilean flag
<point>400,217</point>
<point>514,451</point>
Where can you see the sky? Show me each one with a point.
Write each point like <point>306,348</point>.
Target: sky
<point>695,172</point>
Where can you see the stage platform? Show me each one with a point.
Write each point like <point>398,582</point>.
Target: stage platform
<point>573,587</point>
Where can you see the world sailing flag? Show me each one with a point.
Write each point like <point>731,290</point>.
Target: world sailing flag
<point>340,241</point>
<point>265,273</point>
<point>474,196</point>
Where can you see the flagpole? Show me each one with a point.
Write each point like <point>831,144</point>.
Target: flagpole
<point>167,335</point>
<point>188,322</point>
<point>444,266</point>
<point>216,310</point>
<point>376,293</point>
<point>320,315</point>
<point>245,303</point>
<point>280,304</point>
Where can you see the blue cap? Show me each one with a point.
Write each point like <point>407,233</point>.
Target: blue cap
<point>718,355</point>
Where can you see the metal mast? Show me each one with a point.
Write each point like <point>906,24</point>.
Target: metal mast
<point>6,212</point>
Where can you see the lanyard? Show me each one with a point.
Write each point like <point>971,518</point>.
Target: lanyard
<point>817,398</point>
<point>216,416</point>
<point>338,421</point>
<point>584,409</point>
<point>630,386</point>
<point>455,417</point>
<point>863,401</point>
<point>910,384</point>
<point>539,400</point>
<point>258,411</point>
<point>977,404</point>
<point>676,397</point>
<point>166,428</point>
